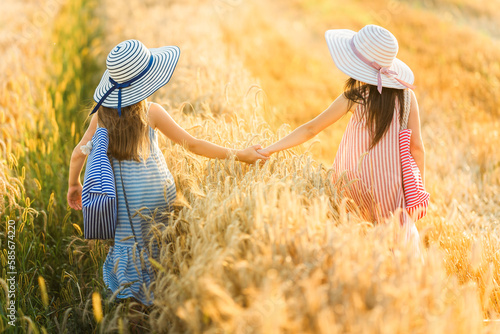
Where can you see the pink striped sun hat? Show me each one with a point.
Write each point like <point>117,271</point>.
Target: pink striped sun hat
<point>369,56</point>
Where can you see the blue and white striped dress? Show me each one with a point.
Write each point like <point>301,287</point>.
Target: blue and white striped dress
<point>148,186</point>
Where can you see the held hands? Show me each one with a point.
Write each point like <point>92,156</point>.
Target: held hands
<point>75,196</point>
<point>265,152</point>
<point>251,154</point>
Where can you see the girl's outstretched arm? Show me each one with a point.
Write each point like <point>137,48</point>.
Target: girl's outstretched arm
<point>166,124</point>
<point>74,196</point>
<point>310,129</point>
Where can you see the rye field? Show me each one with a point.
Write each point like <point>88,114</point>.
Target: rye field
<point>253,248</point>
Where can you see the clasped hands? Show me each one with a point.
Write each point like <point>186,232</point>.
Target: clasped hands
<point>252,154</point>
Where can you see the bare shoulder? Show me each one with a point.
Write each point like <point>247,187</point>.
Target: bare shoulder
<point>414,103</point>
<point>350,105</point>
<point>155,108</point>
<point>154,114</point>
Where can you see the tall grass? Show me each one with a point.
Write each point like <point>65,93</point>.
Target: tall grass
<point>45,90</point>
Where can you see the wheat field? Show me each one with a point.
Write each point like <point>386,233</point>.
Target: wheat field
<point>266,248</point>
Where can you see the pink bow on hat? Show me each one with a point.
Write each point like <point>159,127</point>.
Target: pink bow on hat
<point>381,70</point>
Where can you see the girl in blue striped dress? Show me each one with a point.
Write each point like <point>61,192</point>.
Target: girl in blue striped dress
<point>133,74</point>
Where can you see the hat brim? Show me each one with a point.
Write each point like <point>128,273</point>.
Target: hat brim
<point>164,61</point>
<point>338,41</point>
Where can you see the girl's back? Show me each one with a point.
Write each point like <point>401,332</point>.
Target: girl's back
<point>133,73</point>
<point>149,187</point>
<point>377,188</point>
<point>148,184</point>
<point>368,159</point>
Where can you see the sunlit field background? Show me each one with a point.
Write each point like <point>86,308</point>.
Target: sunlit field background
<point>255,249</point>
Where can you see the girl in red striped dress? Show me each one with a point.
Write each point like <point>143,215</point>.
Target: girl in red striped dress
<point>369,151</point>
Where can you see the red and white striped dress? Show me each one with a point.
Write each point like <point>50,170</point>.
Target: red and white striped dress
<point>372,177</point>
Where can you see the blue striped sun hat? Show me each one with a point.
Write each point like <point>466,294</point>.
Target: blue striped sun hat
<point>134,73</point>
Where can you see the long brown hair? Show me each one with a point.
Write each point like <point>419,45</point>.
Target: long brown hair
<point>128,133</point>
<point>378,108</point>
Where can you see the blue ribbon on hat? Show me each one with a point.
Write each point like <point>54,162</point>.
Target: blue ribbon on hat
<point>119,86</point>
